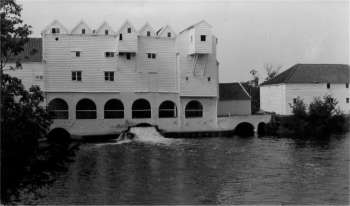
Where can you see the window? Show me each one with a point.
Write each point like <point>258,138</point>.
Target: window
<point>58,109</point>
<point>294,100</point>
<point>209,79</point>
<point>347,100</point>
<point>83,31</point>
<point>128,56</point>
<point>169,34</point>
<point>141,108</point>
<point>56,38</point>
<point>148,33</point>
<point>77,53</point>
<point>114,109</point>
<point>55,30</point>
<point>347,85</point>
<point>129,30</point>
<point>120,37</point>
<point>39,77</point>
<point>167,109</point>
<point>76,75</point>
<point>109,54</point>
<point>151,55</point>
<point>203,38</point>
<point>106,32</point>
<point>193,109</point>
<point>328,85</point>
<point>86,109</point>
<point>109,76</point>
<point>186,78</point>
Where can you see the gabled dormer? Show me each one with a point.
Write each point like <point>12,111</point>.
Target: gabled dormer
<point>55,28</point>
<point>127,38</point>
<point>105,29</point>
<point>81,28</point>
<point>166,32</point>
<point>199,38</point>
<point>147,30</point>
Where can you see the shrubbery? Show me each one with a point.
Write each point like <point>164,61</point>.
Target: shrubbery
<point>321,119</point>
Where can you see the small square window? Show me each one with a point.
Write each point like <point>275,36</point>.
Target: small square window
<point>148,33</point>
<point>203,38</point>
<point>328,85</point>
<point>153,56</point>
<point>129,30</point>
<point>347,85</point>
<point>109,76</point>
<point>106,32</point>
<point>76,75</point>
<point>149,55</point>
<point>128,56</point>
<point>55,30</point>
<point>209,79</point>
<point>186,78</point>
<point>83,31</point>
<point>77,53</point>
<point>169,34</point>
<point>120,37</point>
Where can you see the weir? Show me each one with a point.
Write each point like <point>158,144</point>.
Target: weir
<point>143,134</point>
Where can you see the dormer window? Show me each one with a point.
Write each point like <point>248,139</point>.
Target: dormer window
<point>148,33</point>
<point>129,30</point>
<point>55,30</point>
<point>106,32</point>
<point>203,38</point>
<point>169,34</point>
<point>120,37</point>
<point>83,31</point>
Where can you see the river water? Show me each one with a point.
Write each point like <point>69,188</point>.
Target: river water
<point>204,171</point>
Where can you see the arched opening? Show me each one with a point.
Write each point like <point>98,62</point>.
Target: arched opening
<point>193,109</point>
<point>86,109</point>
<point>58,109</point>
<point>261,129</point>
<point>59,135</point>
<point>114,109</point>
<point>141,108</point>
<point>167,109</point>
<point>244,129</point>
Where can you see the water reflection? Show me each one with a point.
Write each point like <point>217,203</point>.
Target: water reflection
<point>206,171</point>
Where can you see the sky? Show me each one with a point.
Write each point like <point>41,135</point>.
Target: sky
<point>250,33</point>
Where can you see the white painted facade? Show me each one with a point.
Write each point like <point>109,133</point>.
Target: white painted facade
<point>182,70</point>
<point>276,98</point>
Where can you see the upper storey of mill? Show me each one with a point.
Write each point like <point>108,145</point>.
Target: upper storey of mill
<point>196,39</point>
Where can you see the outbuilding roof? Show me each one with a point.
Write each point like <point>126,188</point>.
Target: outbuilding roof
<point>32,52</point>
<point>312,73</point>
<point>232,91</point>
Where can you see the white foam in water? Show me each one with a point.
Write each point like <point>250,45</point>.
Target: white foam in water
<point>149,135</point>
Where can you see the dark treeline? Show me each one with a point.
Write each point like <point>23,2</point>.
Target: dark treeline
<point>319,120</point>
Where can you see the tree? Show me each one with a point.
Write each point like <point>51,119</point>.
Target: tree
<point>271,70</point>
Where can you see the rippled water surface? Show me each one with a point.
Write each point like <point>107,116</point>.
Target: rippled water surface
<point>204,171</point>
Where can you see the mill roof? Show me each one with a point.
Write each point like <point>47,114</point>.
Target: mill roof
<point>312,73</point>
<point>232,91</point>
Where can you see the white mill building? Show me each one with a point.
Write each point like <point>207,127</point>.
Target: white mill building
<point>101,81</point>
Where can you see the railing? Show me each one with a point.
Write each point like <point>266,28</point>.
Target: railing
<point>114,114</point>
<point>59,114</point>
<point>86,114</point>
<point>167,113</point>
<point>193,113</point>
<point>141,113</point>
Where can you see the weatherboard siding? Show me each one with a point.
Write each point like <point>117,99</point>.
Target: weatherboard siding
<point>272,98</point>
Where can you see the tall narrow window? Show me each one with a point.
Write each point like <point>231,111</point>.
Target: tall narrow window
<point>153,56</point>
<point>76,75</point>
<point>203,38</point>
<point>347,100</point>
<point>83,31</point>
<point>129,30</point>
<point>109,76</point>
<point>128,56</point>
<point>347,85</point>
<point>148,33</point>
<point>120,37</point>
<point>328,85</point>
<point>169,34</point>
<point>106,32</point>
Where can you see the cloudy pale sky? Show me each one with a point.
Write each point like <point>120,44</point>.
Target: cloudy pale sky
<point>251,33</point>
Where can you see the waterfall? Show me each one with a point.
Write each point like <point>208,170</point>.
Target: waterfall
<point>148,135</point>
